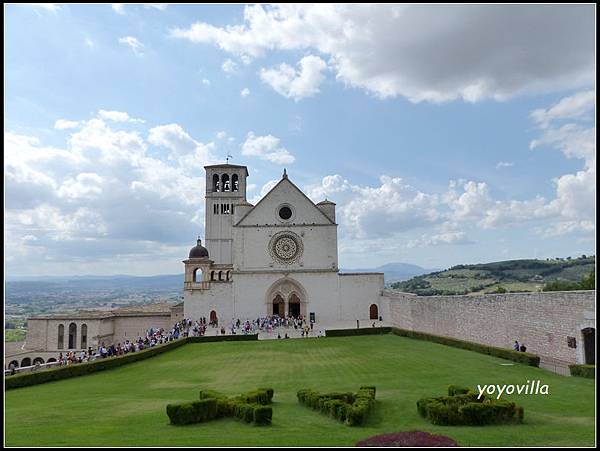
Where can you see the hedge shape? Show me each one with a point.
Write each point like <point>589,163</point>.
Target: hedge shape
<point>81,369</point>
<point>193,412</point>
<point>468,409</point>
<point>354,332</point>
<point>588,371</point>
<point>352,409</point>
<point>249,407</point>
<point>509,354</point>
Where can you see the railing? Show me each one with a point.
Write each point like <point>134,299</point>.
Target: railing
<point>196,285</point>
<point>30,368</point>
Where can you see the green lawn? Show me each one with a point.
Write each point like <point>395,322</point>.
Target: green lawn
<point>126,406</point>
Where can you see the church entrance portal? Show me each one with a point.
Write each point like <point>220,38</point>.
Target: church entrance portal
<point>589,345</point>
<point>278,306</point>
<point>294,307</point>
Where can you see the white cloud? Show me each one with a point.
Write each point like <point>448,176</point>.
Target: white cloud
<point>245,92</point>
<point>134,44</point>
<point>424,53</point>
<point>117,116</point>
<point>266,148</point>
<point>103,197</point>
<point>229,66</point>
<point>454,238</point>
<point>206,82</point>
<point>296,84</point>
<point>119,8</point>
<point>575,106</point>
<point>52,7</point>
<point>63,124</point>
<point>89,43</point>
<point>504,164</point>
<point>159,6</point>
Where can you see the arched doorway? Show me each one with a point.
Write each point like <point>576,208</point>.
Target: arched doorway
<point>589,345</point>
<point>373,312</point>
<point>51,360</point>
<point>279,306</point>
<point>72,335</point>
<point>26,362</point>
<point>38,360</point>
<point>213,317</point>
<point>15,363</point>
<point>294,305</point>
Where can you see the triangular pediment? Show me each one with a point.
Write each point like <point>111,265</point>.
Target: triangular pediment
<point>285,193</point>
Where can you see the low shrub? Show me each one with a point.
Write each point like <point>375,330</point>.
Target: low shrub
<point>192,412</point>
<point>412,439</point>
<point>457,390</point>
<point>509,354</point>
<point>352,409</point>
<point>468,409</point>
<point>81,369</point>
<point>354,332</point>
<point>263,415</point>
<point>588,371</point>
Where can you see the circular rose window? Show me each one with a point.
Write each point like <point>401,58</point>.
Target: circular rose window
<point>285,247</point>
<point>285,213</point>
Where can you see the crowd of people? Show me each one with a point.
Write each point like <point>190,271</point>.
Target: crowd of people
<point>190,328</point>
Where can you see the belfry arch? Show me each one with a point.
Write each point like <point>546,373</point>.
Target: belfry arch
<point>286,297</point>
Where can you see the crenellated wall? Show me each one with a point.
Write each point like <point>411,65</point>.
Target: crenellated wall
<point>542,321</point>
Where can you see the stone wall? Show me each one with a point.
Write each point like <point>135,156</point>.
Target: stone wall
<point>542,321</point>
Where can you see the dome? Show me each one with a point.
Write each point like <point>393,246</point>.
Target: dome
<point>198,251</point>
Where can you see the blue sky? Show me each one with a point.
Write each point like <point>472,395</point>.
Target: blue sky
<point>445,135</point>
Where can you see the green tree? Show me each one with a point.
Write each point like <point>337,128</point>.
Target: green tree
<point>589,282</point>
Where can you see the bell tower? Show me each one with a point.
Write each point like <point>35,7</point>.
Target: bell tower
<point>225,188</point>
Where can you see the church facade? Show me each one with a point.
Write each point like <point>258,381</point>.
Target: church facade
<point>278,257</point>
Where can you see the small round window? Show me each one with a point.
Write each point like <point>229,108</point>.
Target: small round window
<point>285,213</point>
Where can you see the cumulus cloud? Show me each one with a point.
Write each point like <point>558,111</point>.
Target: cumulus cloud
<point>245,92</point>
<point>229,66</point>
<point>296,83</point>
<point>133,43</point>
<point>423,53</point>
<point>266,148</point>
<point>117,116</point>
<point>63,124</point>
<point>119,8</point>
<point>103,197</point>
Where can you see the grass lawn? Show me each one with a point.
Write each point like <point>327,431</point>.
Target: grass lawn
<point>127,406</point>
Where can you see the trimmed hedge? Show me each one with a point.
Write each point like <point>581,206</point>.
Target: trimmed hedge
<point>81,369</point>
<point>509,354</point>
<point>352,409</point>
<point>468,409</point>
<point>588,371</point>
<point>249,407</point>
<point>354,332</point>
<point>193,412</point>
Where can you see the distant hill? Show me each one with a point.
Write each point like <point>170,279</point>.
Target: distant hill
<point>395,272</point>
<point>510,275</point>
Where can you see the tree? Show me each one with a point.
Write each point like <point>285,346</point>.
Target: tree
<point>589,282</point>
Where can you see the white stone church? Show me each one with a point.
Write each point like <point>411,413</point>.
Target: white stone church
<point>278,257</point>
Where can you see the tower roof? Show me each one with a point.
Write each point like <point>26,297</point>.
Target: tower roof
<point>227,166</point>
<point>198,251</point>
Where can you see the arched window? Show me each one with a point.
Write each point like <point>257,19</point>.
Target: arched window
<point>212,275</point>
<point>228,276</point>
<point>15,363</point>
<point>26,362</point>
<point>83,336</point>
<point>225,182</point>
<point>216,185</point>
<point>220,275</point>
<point>51,360</point>
<point>61,336</point>
<point>198,275</point>
<point>38,360</point>
<point>235,184</point>
<point>72,335</point>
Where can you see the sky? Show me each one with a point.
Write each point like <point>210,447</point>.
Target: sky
<point>445,134</point>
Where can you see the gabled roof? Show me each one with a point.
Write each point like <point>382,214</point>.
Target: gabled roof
<point>285,179</point>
